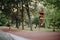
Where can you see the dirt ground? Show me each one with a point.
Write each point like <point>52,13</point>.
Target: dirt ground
<point>34,35</point>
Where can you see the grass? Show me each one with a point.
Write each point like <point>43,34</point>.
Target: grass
<point>39,29</point>
<point>27,29</point>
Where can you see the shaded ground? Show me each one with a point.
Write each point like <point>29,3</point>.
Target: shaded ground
<point>35,35</point>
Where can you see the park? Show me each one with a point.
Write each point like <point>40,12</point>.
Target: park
<point>30,19</point>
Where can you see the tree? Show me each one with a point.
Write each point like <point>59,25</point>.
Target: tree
<point>54,2</point>
<point>51,13</point>
<point>12,9</point>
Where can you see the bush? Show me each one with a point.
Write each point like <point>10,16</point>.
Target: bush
<point>36,21</point>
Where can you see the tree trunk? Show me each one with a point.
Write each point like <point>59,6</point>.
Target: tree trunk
<point>17,18</point>
<point>22,17</point>
<point>28,13</point>
<point>17,24</point>
<point>54,29</point>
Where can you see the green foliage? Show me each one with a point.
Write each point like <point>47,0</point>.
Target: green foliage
<point>36,21</point>
<point>56,3</point>
<point>3,19</point>
<point>52,13</point>
<point>55,21</point>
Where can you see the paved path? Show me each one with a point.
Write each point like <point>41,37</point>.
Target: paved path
<point>37,35</point>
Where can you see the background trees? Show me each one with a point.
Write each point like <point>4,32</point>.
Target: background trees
<point>17,11</point>
<point>14,9</point>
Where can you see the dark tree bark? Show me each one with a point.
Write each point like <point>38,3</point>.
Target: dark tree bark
<point>17,18</point>
<point>17,25</point>
<point>28,13</point>
<point>19,22</point>
<point>22,16</point>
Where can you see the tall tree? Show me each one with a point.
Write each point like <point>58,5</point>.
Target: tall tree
<point>28,13</point>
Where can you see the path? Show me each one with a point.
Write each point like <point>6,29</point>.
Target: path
<point>37,35</point>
